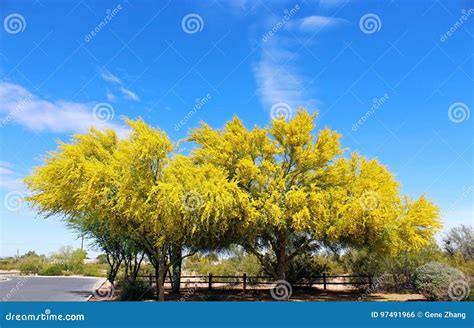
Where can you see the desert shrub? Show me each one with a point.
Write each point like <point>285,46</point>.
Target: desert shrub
<point>70,260</point>
<point>433,280</point>
<point>9,263</point>
<point>102,259</point>
<point>236,264</point>
<point>394,272</point>
<point>95,270</point>
<point>31,264</point>
<point>52,270</point>
<point>306,265</point>
<point>135,290</point>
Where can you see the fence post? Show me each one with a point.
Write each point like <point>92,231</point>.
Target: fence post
<point>244,282</point>
<point>210,281</point>
<point>150,277</point>
<point>324,280</point>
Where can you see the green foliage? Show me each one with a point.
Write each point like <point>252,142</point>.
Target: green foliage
<point>102,259</point>
<point>9,263</point>
<point>306,265</point>
<point>459,242</point>
<point>52,270</point>
<point>31,264</point>
<point>95,270</point>
<point>29,254</point>
<point>433,280</point>
<point>237,264</point>
<point>398,270</point>
<point>69,260</point>
<point>135,290</point>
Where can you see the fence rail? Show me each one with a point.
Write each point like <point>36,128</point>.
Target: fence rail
<point>245,280</point>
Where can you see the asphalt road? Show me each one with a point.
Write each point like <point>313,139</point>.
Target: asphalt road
<point>25,288</point>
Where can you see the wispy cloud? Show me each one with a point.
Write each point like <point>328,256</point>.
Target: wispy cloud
<point>313,23</point>
<point>279,79</point>
<point>19,105</point>
<point>10,180</point>
<point>110,96</point>
<point>109,77</point>
<point>129,94</point>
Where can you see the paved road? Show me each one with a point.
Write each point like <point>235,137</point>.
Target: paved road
<point>24,288</point>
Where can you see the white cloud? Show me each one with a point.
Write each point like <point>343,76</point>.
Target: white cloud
<point>110,96</point>
<point>9,179</point>
<point>40,115</point>
<point>279,80</point>
<point>129,94</point>
<point>314,23</point>
<point>109,77</point>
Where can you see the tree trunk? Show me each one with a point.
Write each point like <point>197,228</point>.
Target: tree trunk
<point>161,277</point>
<point>281,256</point>
<point>114,265</point>
<point>138,258</point>
<point>157,273</point>
<point>176,260</point>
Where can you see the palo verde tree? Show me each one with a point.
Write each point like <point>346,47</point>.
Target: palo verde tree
<point>135,190</point>
<point>63,186</point>
<point>302,192</point>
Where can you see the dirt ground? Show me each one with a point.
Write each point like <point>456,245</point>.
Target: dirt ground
<point>333,294</point>
<point>298,295</point>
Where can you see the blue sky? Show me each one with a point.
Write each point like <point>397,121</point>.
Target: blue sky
<point>394,77</point>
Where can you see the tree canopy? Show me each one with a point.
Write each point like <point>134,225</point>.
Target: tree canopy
<point>303,192</point>
<point>277,191</point>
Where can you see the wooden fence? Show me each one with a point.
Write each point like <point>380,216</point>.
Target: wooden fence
<point>248,281</point>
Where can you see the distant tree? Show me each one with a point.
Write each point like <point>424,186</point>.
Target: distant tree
<point>29,254</point>
<point>460,240</point>
<point>102,258</point>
